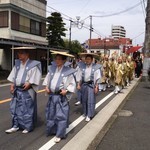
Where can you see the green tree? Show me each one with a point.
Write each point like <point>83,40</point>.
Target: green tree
<point>74,48</point>
<point>55,30</point>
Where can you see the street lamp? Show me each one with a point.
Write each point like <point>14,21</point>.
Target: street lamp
<point>79,23</point>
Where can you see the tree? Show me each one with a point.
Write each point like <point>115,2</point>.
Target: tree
<point>55,30</point>
<point>75,47</point>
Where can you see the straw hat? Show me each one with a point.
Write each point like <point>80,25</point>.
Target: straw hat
<point>23,48</point>
<point>61,53</point>
<point>92,54</point>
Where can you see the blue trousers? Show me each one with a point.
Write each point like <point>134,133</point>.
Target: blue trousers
<point>88,99</point>
<point>23,109</point>
<point>57,114</point>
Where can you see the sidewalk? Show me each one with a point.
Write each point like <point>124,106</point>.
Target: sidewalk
<point>131,132</point>
<point>3,82</point>
<point>89,136</point>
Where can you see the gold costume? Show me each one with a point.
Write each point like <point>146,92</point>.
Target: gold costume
<point>119,74</point>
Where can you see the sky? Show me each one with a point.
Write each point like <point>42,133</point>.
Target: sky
<point>133,20</point>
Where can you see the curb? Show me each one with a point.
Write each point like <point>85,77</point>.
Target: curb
<point>85,138</point>
<point>4,82</point>
<point>7,82</point>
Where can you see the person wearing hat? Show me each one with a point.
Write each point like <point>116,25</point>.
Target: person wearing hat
<point>77,75</point>
<point>119,75</point>
<point>112,63</point>
<point>105,74</point>
<point>88,83</point>
<point>25,78</point>
<point>59,85</point>
<point>131,67</point>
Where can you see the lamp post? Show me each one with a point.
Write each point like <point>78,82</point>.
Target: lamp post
<point>91,29</point>
<point>70,34</point>
<point>78,24</point>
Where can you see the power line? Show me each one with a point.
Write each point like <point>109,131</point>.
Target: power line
<point>84,6</point>
<point>143,9</point>
<point>144,4</point>
<point>120,12</point>
<point>59,12</point>
<point>138,35</point>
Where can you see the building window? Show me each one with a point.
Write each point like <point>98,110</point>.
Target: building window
<point>43,1</point>
<point>35,27</point>
<point>43,29</point>
<point>3,19</point>
<point>14,21</point>
<point>24,24</point>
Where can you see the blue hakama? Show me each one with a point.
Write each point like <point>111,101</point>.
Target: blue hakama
<point>57,114</point>
<point>88,99</point>
<point>23,109</point>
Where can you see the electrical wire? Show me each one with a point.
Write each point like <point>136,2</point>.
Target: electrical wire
<point>143,9</point>
<point>108,15</point>
<point>138,35</point>
<point>120,12</point>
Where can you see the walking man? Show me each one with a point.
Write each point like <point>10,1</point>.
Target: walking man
<point>59,85</point>
<point>25,78</point>
<point>88,83</point>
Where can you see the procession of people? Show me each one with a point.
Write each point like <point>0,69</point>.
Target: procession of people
<point>93,74</point>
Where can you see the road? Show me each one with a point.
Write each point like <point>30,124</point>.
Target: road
<point>37,139</point>
<point>131,132</point>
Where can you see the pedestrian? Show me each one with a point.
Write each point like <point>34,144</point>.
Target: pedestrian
<point>60,85</point>
<point>88,83</point>
<point>105,74</point>
<point>138,68</point>
<point>77,75</point>
<point>119,72</point>
<point>25,78</point>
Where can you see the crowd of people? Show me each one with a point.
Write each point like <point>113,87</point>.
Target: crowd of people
<point>61,82</point>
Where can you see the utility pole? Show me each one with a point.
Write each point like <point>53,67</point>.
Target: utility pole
<point>91,29</point>
<point>146,50</point>
<point>70,35</point>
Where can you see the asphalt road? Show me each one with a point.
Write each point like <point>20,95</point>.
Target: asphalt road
<point>131,132</point>
<point>36,139</point>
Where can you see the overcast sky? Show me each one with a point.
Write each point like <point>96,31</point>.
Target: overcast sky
<point>133,20</point>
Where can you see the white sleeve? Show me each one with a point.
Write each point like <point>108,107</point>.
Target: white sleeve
<point>11,76</point>
<point>78,75</point>
<point>34,76</point>
<point>97,76</point>
<point>69,83</point>
<point>46,80</point>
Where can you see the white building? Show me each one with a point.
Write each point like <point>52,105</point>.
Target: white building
<point>22,23</point>
<point>23,20</point>
<point>118,32</point>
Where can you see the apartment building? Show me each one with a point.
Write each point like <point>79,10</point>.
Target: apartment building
<point>118,32</point>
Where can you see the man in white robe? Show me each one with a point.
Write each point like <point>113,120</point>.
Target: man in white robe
<point>88,83</point>
<point>59,84</point>
<point>25,78</point>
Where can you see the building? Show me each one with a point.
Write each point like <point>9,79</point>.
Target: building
<point>22,23</point>
<point>108,45</point>
<point>118,32</point>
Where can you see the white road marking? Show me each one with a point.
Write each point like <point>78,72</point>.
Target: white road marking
<point>51,142</point>
<point>3,85</point>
